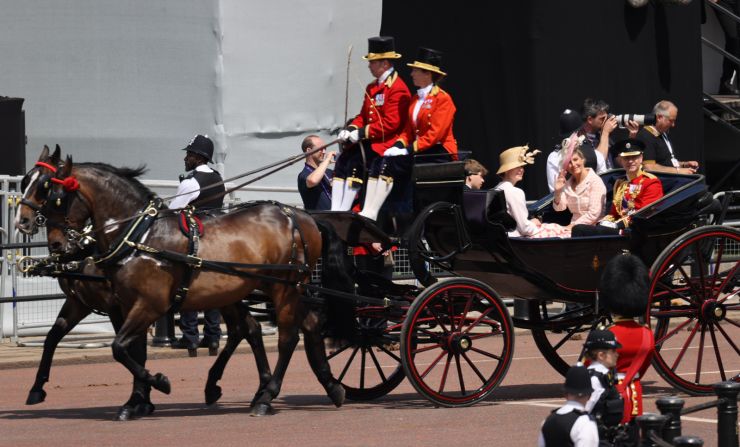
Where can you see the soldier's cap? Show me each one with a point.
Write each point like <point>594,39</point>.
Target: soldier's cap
<point>628,148</point>
<point>602,339</point>
<point>578,381</point>
<point>381,47</point>
<point>201,145</point>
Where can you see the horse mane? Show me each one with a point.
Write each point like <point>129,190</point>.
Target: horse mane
<point>129,174</point>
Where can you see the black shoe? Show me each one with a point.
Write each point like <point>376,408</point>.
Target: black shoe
<point>184,343</point>
<point>212,346</point>
<point>726,88</point>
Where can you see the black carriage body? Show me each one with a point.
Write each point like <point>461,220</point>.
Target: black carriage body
<point>470,238</point>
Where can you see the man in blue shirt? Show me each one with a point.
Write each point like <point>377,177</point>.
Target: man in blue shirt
<point>314,181</point>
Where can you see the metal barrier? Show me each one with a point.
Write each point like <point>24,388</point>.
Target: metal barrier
<point>665,429</point>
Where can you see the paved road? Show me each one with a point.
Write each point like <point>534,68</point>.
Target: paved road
<point>83,399</point>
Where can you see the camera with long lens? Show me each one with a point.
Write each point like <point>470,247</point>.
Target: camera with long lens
<point>643,120</point>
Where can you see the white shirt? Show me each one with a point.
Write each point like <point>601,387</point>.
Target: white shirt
<point>385,75</point>
<point>584,432</point>
<point>516,206</point>
<point>596,385</point>
<point>556,158</point>
<point>422,94</point>
<point>189,188</point>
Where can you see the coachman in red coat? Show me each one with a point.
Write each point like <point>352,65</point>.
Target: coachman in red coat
<point>376,127</point>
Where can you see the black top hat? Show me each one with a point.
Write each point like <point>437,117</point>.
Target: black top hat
<point>602,339</point>
<point>578,381</point>
<point>201,145</point>
<point>428,59</point>
<point>381,47</point>
<point>570,121</point>
<point>627,148</point>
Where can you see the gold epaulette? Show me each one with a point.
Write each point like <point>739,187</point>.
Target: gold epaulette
<point>436,90</point>
<point>653,131</point>
<point>391,79</point>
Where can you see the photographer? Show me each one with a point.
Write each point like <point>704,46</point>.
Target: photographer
<point>659,155</point>
<point>597,129</point>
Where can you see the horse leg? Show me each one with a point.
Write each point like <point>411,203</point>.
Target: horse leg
<point>253,334</point>
<point>233,338</point>
<point>139,404</point>
<point>287,341</point>
<point>316,354</point>
<point>71,313</point>
<point>137,322</point>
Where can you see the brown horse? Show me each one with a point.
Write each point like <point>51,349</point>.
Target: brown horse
<point>85,296</point>
<point>264,246</point>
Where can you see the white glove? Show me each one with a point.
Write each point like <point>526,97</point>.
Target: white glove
<point>354,136</point>
<point>608,224</point>
<point>343,135</point>
<point>394,151</point>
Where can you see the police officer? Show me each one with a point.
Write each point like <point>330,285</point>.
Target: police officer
<point>571,424</point>
<point>377,126</point>
<point>605,404</point>
<point>198,154</point>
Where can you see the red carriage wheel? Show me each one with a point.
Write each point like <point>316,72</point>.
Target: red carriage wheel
<point>695,309</point>
<point>369,366</point>
<point>457,342</point>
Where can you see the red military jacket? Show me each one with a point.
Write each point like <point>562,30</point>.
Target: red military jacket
<point>383,114</point>
<point>433,123</point>
<point>637,346</point>
<point>631,195</point>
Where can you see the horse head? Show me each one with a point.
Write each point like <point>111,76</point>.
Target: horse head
<point>66,211</point>
<point>35,189</point>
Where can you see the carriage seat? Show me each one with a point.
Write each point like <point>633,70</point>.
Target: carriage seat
<point>485,207</point>
<point>438,182</point>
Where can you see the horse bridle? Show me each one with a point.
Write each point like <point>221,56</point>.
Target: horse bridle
<point>58,202</point>
<point>41,193</point>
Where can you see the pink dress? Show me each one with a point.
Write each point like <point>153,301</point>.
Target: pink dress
<point>585,201</point>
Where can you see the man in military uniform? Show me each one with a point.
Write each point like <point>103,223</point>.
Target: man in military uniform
<point>659,155</point>
<point>191,191</point>
<point>571,424</point>
<point>377,126</point>
<point>631,193</point>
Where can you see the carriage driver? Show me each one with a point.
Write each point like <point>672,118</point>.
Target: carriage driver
<point>199,154</point>
<point>375,128</point>
<point>631,193</point>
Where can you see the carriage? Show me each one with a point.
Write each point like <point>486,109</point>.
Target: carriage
<point>453,337</point>
<point>456,336</point>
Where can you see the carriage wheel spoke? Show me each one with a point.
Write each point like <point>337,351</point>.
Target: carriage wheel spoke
<point>439,322</point>
<point>673,331</point>
<point>682,312</point>
<point>730,275</point>
<point>349,362</point>
<point>463,319</point>
<point>487,354</point>
<point>443,380</point>
<point>477,320</point>
<point>362,367</point>
<point>377,365</point>
<point>728,296</point>
<point>486,335</point>
<point>716,352</point>
<point>427,348</point>
<point>460,374</point>
<point>729,340</point>
<point>676,293</point>
<point>685,347</point>
<point>566,338</point>
<point>390,354</point>
<point>732,322</point>
<point>701,352</point>
<point>689,283</point>
<point>720,252</point>
<point>337,352</point>
<point>473,367</point>
<point>700,263</point>
<point>433,364</point>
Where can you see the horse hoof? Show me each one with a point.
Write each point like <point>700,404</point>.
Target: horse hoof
<point>262,409</point>
<point>35,397</point>
<point>144,409</point>
<point>336,394</point>
<point>213,394</point>
<point>192,352</point>
<point>161,383</point>
<point>125,413</point>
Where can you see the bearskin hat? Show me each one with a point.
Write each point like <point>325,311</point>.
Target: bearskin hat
<point>624,286</point>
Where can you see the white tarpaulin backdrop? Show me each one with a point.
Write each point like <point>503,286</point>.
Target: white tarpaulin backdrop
<point>129,82</point>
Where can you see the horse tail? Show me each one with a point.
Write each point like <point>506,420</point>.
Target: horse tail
<point>337,273</point>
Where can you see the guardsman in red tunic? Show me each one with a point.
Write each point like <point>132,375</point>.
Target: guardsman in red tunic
<point>631,193</point>
<point>428,131</point>
<point>624,290</point>
<point>376,127</point>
